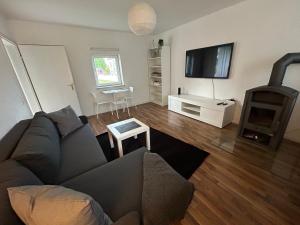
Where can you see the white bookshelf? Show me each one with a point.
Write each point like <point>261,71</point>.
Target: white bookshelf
<point>159,75</point>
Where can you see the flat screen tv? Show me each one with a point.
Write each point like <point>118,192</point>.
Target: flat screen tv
<point>210,62</point>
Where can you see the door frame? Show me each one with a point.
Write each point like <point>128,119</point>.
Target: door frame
<point>2,36</point>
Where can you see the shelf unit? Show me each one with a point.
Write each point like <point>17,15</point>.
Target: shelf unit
<point>159,75</point>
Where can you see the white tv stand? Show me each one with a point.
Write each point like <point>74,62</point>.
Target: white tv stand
<point>204,109</point>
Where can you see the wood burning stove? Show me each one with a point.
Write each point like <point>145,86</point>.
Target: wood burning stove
<point>267,109</point>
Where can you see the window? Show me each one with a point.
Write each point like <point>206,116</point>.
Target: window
<point>107,70</point>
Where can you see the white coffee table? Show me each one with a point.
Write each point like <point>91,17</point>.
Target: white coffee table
<point>125,129</point>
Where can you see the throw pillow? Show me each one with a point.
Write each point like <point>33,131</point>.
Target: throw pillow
<point>55,205</point>
<point>166,194</point>
<point>66,120</point>
<point>39,149</point>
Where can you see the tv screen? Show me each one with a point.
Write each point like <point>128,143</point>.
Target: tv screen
<point>210,62</point>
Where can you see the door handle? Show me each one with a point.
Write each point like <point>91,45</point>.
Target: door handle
<point>71,86</point>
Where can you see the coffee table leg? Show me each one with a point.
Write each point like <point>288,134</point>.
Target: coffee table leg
<point>120,147</point>
<point>111,141</point>
<point>148,140</point>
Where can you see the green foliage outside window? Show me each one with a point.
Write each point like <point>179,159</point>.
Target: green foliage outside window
<point>101,64</point>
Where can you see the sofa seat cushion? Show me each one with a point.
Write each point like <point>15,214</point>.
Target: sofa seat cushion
<point>117,185</point>
<point>132,218</point>
<point>39,149</point>
<point>9,142</point>
<point>80,152</point>
<point>13,174</point>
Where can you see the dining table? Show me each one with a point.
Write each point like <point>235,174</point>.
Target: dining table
<point>115,91</point>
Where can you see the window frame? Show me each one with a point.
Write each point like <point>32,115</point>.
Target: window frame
<point>115,55</point>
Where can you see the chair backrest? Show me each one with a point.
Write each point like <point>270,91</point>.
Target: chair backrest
<point>131,89</point>
<point>94,95</point>
<point>120,96</point>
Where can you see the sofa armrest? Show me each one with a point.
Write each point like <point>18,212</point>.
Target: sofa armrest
<point>84,119</point>
<point>117,185</point>
<point>166,194</point>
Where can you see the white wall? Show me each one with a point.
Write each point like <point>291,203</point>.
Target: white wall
<point>263,31</point>
<point>78,41</point>
<point>3,25</point>
<point>13,105</point>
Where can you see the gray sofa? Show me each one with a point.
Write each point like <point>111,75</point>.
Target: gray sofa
<point>116,185</point>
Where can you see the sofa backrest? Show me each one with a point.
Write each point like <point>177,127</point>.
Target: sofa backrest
<point>10,141</point>
<point>29,140</point>
<point>32,150</point>
<point>13,174</point>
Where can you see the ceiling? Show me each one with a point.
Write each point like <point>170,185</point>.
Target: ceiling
<point>109,14</point>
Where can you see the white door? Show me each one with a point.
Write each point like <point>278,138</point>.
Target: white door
<point>51,76</point>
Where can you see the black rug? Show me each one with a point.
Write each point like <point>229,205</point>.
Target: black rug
<point>183,157</point>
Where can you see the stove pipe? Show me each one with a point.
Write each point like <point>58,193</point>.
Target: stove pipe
<point>280,66</point>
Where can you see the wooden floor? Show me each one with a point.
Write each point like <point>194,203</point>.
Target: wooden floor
<point>237,184</point>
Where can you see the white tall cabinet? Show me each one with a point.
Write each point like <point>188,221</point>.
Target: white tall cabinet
<point>159,75</point>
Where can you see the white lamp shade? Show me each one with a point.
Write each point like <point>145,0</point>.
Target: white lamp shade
<point>141,19</point>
